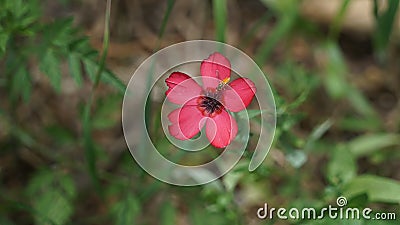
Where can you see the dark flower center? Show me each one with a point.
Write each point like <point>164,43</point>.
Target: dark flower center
<point>210,105</point>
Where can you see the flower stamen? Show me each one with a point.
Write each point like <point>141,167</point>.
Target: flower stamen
<point>209,104</point>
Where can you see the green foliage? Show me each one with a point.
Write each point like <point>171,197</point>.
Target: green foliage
<point>287,10</point>
<point>21,84</point>
<point>366,144</point>
<point>105,115</point>
<point>126,211</point>
<point>20,32</point>
<point>220,17</point>
<point>168,214</point>
<point>337,22</point>
<point>342,166</point>
<point>63,135</point>
<point>52,196</point>
<point>75,68</point>
<point>378,189</point>
<point>335,71</point>
<point>51,67</point>
<point>384,24</point>
<point>170,6</point>
<point>327,221</point>
<point>199,214</point>
<point>336,82</point>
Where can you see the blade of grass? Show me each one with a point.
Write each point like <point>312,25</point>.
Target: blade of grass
<point>90,150</point>
<point>384,23</point>
<point>317,133</point>
<point>338,20</point>
<point>149,80</point>
<point>284,25</point>
<point>106,40</point>
<point>369,143</point>
<point>170,6</point>
<point>106,76</point>
<point>253,30</point>
<point>336,81</point>
<point>219,11</point>
<point>148,104</point>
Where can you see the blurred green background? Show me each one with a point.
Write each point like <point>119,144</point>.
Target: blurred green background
<point>333,65</point>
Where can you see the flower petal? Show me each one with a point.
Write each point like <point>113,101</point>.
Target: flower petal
<point>215,66</point>
<point>239,94</point>
<point>221,129</point>
<point>181,88</point>
<point>186,122</point>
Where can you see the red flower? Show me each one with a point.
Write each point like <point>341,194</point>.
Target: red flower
<point>207,105</point>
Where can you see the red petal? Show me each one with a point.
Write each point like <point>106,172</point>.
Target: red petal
<point>221,129</point>
<point>216,66</point>
<point>186,122</point>
<point>239,94</point>
<point>181,88</point>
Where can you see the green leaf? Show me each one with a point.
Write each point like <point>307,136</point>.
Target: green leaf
<point>337,22</point>
<point>81,46</point>
<point>250,35</point>
<point>50,65</point>
<point>170,6</point>
<point>317,133</point>
<point>21,84</point>
<point>126,210</point>
<point>342,166</point>
<point>61,134</point>
<point>201,216</point>
<point>384,24</point>
<point>3,41</point>
<point>107,76</point>
<point>220,14</point>
<point>336,82</point>
<point>51,195</point>
<point>90,148</point>
<point>361,104</point>
<point>107,112</point>
<point>378,189</point>
<point>281,6</point>
<point>59,33</point>
<point>231,179</point>
<point>354,123</point>
<point>75,68</point>
<point>369,143</point>
<point>90,68</point>
<point>168,214</point>
<point>335,71</point>
<point>329,221</point>
<point>284,26</point>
